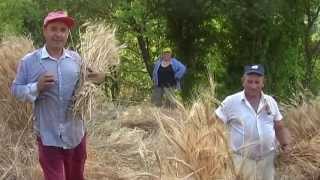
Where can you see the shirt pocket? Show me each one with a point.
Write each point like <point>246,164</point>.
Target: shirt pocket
<point>34,72</point>
<point>268,118</point>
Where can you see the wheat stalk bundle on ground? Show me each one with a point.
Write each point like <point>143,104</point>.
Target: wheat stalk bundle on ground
<point>17,151</point>
<point>199,150</point>
<point>100,53</point>
<point>302,162</point>
<point>12,49</point>
<point>196,146</point>
<point>304,120</point>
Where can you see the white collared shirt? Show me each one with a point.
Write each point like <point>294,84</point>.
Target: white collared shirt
<point>250,131</point>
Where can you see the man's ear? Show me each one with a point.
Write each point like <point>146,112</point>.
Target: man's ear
<point>264,80</point>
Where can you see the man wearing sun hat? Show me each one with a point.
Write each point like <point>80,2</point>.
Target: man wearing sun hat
<point>167,73</point>
<point>255,124</point>
<point>47,78</point>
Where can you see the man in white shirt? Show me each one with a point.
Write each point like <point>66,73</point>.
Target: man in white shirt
<point>255,124</point>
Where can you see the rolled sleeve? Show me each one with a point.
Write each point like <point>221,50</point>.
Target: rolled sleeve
<point>25,93</point>
<point>278,115</point>
<point>33,91</point>
<point>223,111</point>
<point>221,115</point>
<point>22,89</point>
<point>275,109</point>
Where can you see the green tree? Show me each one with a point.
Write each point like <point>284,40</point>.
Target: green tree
<point>20,17</point>
<point>311,41</point>
<point>210,37</point>
<point>192,31</point>
<point>268,33</point>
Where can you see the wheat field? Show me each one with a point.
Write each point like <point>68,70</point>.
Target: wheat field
<point>144,142</point>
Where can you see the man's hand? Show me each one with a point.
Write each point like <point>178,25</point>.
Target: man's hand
<point>285,152</point>
<point>45,82</point>
<point>285,148</point>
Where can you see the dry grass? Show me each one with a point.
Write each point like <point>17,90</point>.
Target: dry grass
<point>18,158</point>
<point>17,151</point>
<point>304,120</point>
<point>99,47</point>
<point>197,150</point>
<point>12,50</point>
<point>141,117</point>
<point>99,50</point>
<point>123,147</point>
<point>197,146</point>
<point>303,161</point>
<point>185,147</point>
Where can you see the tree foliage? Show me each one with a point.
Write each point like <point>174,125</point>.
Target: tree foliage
<point>211,37</point>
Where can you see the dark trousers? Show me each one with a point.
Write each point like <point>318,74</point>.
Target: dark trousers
<point>62,164</point>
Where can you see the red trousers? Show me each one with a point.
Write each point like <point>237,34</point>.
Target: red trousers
<point>62,164</point>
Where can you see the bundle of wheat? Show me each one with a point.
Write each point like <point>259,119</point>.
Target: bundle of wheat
<point>100,53</point>
<point>302,162</point>
<point>17,158</point>
<point>304,120</point>
<point>12,49</point>
<point>198,151</point>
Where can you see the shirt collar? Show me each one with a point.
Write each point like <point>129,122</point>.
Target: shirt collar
<point>161,59</point>
<point>45,54</point>
<point>243,97</point>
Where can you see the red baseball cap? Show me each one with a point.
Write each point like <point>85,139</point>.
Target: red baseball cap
<point>61,16</point>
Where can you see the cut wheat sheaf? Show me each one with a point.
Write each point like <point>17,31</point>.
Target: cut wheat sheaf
<point>99,50</point>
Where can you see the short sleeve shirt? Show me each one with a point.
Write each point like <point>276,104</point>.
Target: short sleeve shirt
<point>250,131</point>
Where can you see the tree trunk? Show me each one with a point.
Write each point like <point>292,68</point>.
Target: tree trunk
<point>143,45</point>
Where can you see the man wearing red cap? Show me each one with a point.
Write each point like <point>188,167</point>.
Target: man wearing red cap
<point>48,77</point>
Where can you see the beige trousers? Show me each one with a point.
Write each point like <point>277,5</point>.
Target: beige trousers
<point>161,96</point>
<point>249,169</point>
